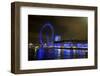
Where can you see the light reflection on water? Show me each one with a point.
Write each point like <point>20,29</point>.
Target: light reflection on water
<point>60,51</point>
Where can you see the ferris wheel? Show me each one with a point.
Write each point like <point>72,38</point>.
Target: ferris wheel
<point>49,34</point>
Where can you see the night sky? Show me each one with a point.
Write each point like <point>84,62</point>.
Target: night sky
<point>69,28</point>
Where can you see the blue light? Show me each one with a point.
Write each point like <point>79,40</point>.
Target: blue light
<point>68,53</point>
<point>80,53</point>
<point>57,51</point>
<point>81,45</point>
<point>57,38</point>
<point>46,25</point>
<point>40,53</point>
<point>68,44</point>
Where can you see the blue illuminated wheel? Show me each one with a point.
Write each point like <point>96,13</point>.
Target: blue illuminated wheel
<point>42,52</point>
<point>50,31</point>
